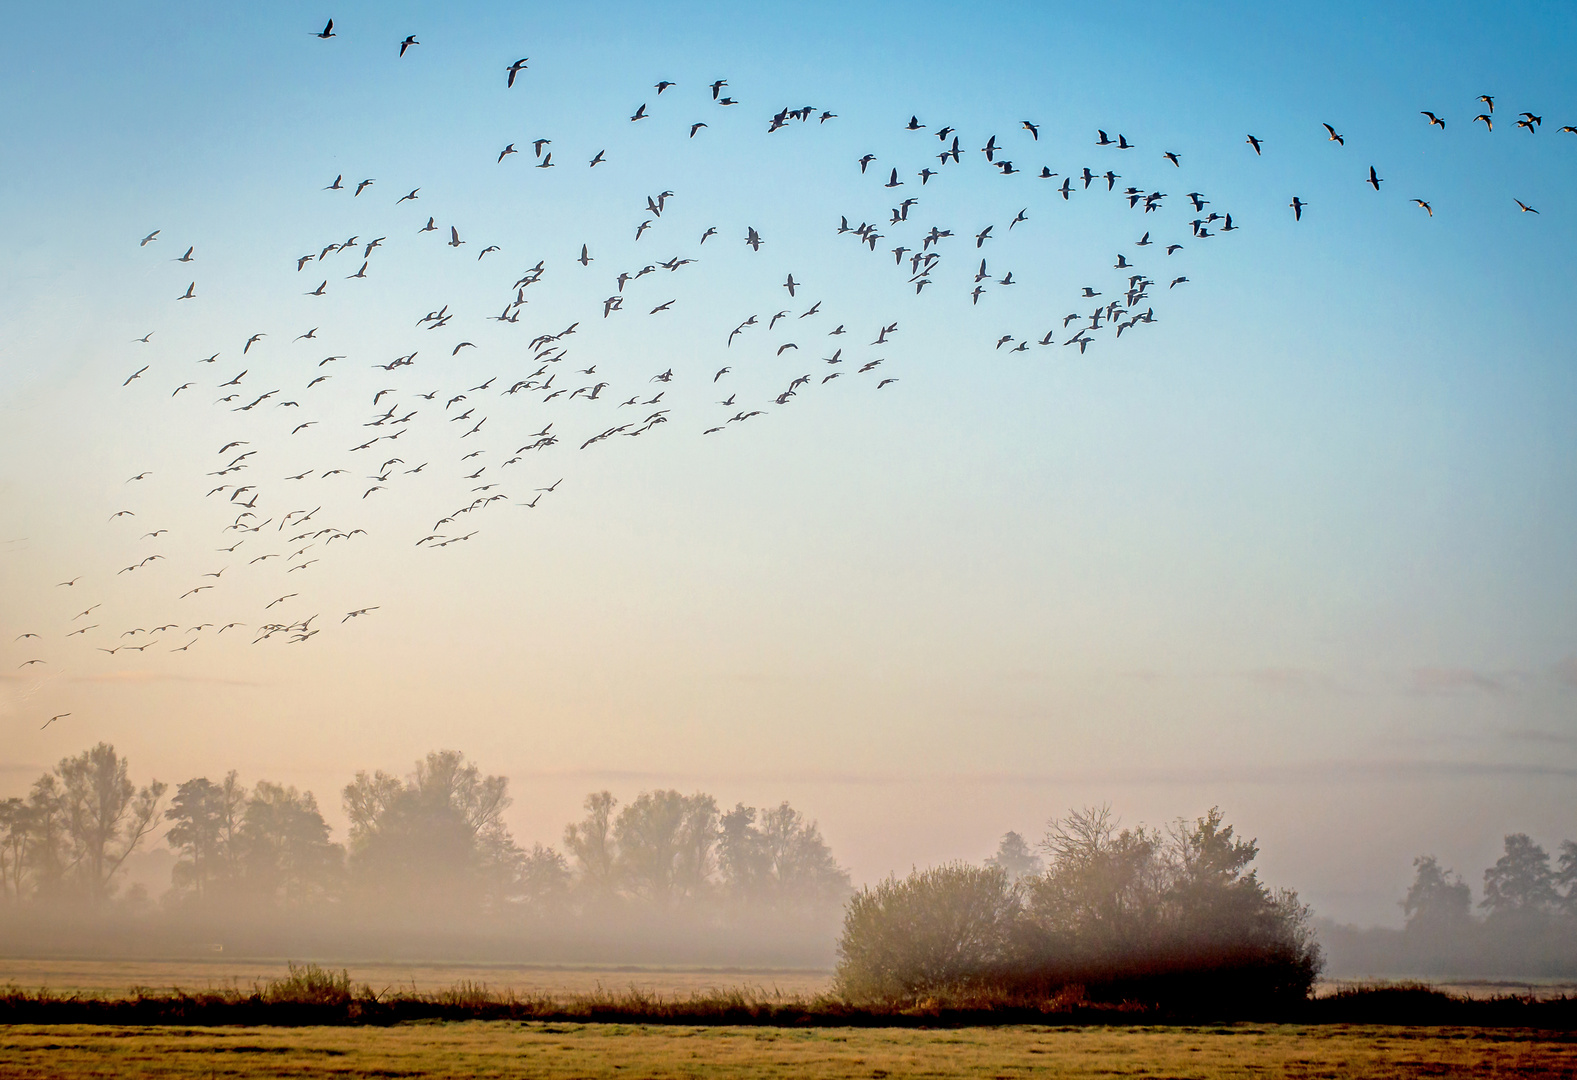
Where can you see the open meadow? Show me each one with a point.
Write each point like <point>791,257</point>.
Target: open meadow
<point>479,1049</point>
<point>114,978</point>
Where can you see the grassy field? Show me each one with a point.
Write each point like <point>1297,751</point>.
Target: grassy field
<point>609,1050</point>
<point>118,977</point>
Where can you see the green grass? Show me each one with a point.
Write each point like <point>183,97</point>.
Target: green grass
<point>509,1049</point>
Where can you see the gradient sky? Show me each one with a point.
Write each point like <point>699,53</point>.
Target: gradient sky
<point>1303,548</point>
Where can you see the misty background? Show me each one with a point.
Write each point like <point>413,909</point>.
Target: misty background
<point>94,863</point>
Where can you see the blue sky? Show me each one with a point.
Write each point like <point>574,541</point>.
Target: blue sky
<point>1308,532</point>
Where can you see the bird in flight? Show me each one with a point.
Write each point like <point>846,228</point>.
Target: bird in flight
<point>1256,142</point>
<point>1333,137</point>
<point>1526,209</point>
<point>1374,180</point>
<point>515,69</point>
<point>327,31</point>
<point>52,719</point>
<point>1297,205</point>
<point>150,238</point>
<point>410,39</point>
<point>1426,207</point>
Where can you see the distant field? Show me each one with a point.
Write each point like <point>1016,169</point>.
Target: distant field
<point>612,1050</point>
<point>114,978</point>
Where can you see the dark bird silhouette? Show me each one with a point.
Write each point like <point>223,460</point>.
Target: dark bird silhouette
<point>1434,121</point>
<point>410,39</point>
<point>1255,142</point>
<point>515,69</point>
<point>1331,136</point>
<point>327,31</point>
<point>1374,180</point>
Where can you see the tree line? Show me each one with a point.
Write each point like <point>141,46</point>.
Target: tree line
<point>431,842</point>
<point>1524,922</point>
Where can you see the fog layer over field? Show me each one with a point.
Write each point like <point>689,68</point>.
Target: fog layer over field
<point>429,870</point>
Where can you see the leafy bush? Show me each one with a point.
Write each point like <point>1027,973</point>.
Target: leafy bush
<point>1174,919</point>
<point>943,929</point>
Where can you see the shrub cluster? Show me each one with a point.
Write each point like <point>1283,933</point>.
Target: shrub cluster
<point>1167,919</point>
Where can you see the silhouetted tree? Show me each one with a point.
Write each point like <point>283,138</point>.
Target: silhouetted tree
<point>1438,901</point>
<point>1180,914</point>
<point>666,845</point>
<point>782,862</point>
<point>1016,858</point>
<point>105,817</point>
<point>46,860</point>
<point>205,820</point>
<point>284,851</point>
<point>543,883</point>
<point>1566,876</point>
<point>591,844</point>
<point>438,838</point>
<point>14,829</point>
<point>1100,893</point>
<point>1520,884</point>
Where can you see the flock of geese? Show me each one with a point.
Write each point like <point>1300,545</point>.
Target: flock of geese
<point>479,438</point>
